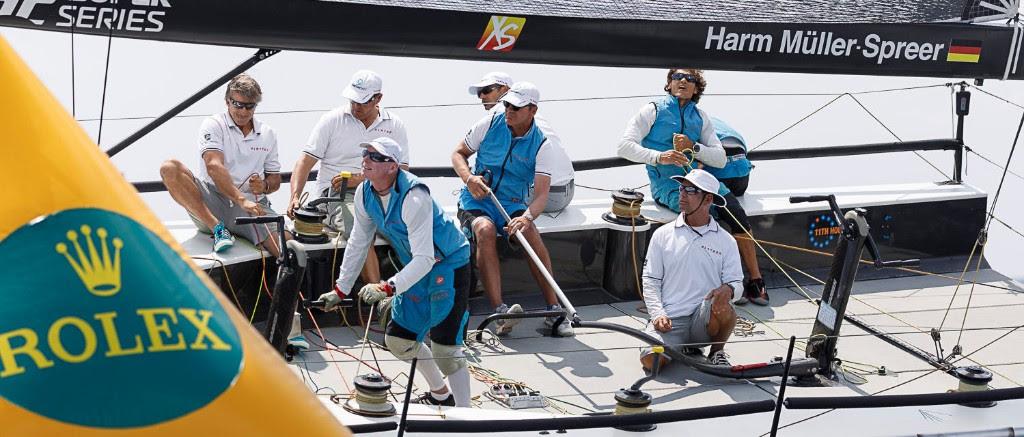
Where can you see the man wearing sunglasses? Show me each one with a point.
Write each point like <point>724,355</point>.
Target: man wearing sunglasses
<point>240,168</point>
<point>489,89</point>
<point>511,153</point>
<point>430,293</point>
<point>334,143</point>
<point>692,275</point>
<point>672,135</point>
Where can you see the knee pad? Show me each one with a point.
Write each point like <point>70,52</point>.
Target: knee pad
<point>448,358</point>
<point>401,348</point>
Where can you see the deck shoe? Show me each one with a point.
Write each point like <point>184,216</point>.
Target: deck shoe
<point>564,328</point>
<point>756,292</point>
<point>222,239</point>
<point>504,326</point>
<point>720,358</point>
<point>429,399</point>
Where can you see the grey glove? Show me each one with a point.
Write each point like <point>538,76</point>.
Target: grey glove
<point>384,312</point>
<point>330,299</point>
<point>372,293</point>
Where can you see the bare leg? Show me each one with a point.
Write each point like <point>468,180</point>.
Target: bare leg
<point>182,188</point>
<point>723,320</point>
<point>485,234</point>
<point>371,268</point>
<point>748,254</point>
<point>648,361</point>
<point>533,237</point>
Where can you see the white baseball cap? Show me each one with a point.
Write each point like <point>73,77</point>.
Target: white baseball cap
<point>492,78</point>
<point>364,84</point>
<point>522,94</point>
<point>385,146</point>
<point>703,180</point>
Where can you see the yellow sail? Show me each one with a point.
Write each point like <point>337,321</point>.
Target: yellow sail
<point>106,327</point>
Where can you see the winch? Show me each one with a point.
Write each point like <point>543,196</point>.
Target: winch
<point>310,218</point>
<point>371,396</point>
<point>626,208</point>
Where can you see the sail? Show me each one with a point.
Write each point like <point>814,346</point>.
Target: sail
<point>105,325</point>
<point>934,38</point>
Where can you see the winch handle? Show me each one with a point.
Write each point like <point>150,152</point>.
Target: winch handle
<point>872,248</point>
<point>831,199</point>
<point>319,304</point>
<point>279,219</point>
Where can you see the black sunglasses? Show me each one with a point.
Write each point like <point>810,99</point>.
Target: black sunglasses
<point>377,156</point>
<point>242,105</point>
<point>513,108</point>
<point>486,90</point>
<point>680,76</point>
<point>690,189</point>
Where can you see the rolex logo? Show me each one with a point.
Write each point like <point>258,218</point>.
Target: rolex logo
<point>100,273</point>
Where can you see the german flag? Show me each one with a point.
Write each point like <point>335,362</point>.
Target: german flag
<point>964,50</point>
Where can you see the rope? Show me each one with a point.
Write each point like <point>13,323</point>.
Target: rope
<point>227,278</point>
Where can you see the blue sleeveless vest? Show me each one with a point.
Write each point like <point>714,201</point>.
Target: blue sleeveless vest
<point>511,166</point>
<point>429,301</point>
<point>736,166</point>
<point>669,121</point>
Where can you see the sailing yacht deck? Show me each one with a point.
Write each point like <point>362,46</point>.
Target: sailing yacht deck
<point>580,375</point>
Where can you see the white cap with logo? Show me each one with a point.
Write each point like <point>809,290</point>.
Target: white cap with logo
<point>364,84</point>
<point>385,146</point>
<point>703,180</point>
<point>492,78</point>
<point>522,94</point>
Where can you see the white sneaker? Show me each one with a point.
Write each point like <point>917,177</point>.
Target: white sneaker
<point>564,328</point>
<point>295,337</point>
<point>504,326</point>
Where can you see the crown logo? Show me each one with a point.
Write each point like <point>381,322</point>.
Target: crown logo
<point>100,275</point>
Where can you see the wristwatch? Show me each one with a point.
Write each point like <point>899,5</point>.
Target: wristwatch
<point>696,147</point>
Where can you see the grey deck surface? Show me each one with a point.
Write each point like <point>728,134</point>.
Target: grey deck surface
<point>581,374</point>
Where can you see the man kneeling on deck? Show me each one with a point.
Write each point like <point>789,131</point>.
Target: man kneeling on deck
<point>692,275</point>
<point>429,294</point>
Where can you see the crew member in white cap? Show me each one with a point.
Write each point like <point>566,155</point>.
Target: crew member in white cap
<point>692,274</point>
<point>334,143</point>
<point>431,291</point>
<point>489,89</point>
<point>496,137</point>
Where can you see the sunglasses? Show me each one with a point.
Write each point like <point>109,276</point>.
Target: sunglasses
<point>242,105</point>
<point>680,76</point>
<point>513,108</point>
<point>377,156</point>
<point>690,189</point>
<point>486,90</point>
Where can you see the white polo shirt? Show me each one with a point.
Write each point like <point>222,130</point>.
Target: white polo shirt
<point>561,165</point>
<point>336,137</point>
<point>244,155</point>
<point>684,264</point>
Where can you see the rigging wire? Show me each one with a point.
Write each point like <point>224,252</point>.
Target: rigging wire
<point>73,112</point>
<point>996,164</point>
<point>561,100</point>
<point>797,122</point>
<point>919,155</point>
<point>106,73</point>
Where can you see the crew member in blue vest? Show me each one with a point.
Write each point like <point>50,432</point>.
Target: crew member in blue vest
<point>666,135</point>
<point>427,296</point>
<point>735,176</point>
<point>511,153</point>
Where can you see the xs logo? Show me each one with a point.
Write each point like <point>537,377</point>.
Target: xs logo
<point>7,8</point>
<point>501,33</point>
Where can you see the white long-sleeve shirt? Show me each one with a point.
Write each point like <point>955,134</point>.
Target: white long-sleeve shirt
<point>417,214</point>
<point>711,152</point>
<point>684,264</point>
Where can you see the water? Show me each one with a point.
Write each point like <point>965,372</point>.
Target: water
<point>146,78</point>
